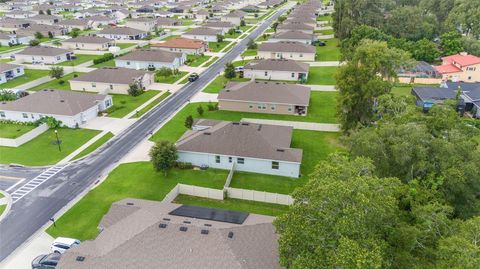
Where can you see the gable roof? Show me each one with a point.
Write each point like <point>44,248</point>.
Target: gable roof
<point>43,51</point>
<point>219,24</point>
<point>286,46</point>
<point>6,67</point>
<point>148,55</point>
<point>89,39</point>
<point>120,31</point>
<point>293,35</point>
<point>278,65</point>
<point>115,75</point>
<point>204,31</point>
<point>181,42</point>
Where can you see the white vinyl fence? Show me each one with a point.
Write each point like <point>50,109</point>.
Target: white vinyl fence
<point>259,196</point>
<point>17,142</point>
<point>194,191</point>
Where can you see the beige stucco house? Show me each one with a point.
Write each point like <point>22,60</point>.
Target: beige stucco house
<point>287,50</point>
<point>88,43</point>
<point>460,67</point>
<point>276,69</point>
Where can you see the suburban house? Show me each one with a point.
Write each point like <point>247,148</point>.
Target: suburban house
<point>46,55</point>
<point>276,69</point>
<point>265,97</point>
<point>82,24</point>
<point>116,80</point>
<point>45,19</point>
<point>460,67</point>
<point>14,39</point>
<point>285,27</point>
<point>10,71</point>
<point>176,236</point>
<point>44,29</point>
<point>143,24</point>
<point>163,14</point>
<point>72,108</point>
<point>304,20</point>
<point>168,22</point>
<point>122,33</point>
<point>99,21</point>
<point>19,14</point>
<point>8,24</point>
<point>202,15</point>
<point>293,36</point>
<point>203,33</point>
<point>469,100</point>
<point>287,50</point>
<point>88,43</point>
<point>249,147</point>
<point>148,59</point>
<point>180,44</point>
<point>234,17</point>
<point>224,26</point>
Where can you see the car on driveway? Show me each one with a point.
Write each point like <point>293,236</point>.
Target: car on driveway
<point>62,244</point>
<point>46,261</point>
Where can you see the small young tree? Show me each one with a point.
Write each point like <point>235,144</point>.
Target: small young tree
<point>229,71</point>
<point>242,23</point>
<point>49,12</point>
<point>38,35</point>
<point>75,32</point>
<point>56,72</point>
<point>200,110</point>
<point>231,31</point>
<point>50,35</point>
<point>163,156</point>
<point>34,42</point>
<point>251,44</point>
<point>7,95</point>
<point>274,26</point>
<point>134,89</point>
<point>165,72</point>
<point>51,122</point>
<point>189,122</point>
<point>220,38</point>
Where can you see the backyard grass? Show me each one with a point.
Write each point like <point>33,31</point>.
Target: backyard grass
<point>329,52</point>
<point>402,90</point>
<point>218,46</point>
<point>12,130</point>
<point>81,58</point>
<point>219,83</point>
<point>170,79</point>
<point>197,60</point>
<point>322,75</point>
<point>233,204</point>
<point>151,105</point>
<point>43,149</point>
<point>249,52</point>
<point>30,75</point>
<point>94,146</point>
<point>132,180</point>
<point>125,45</point>
<point>57,84</point>
<point>110,63</point>
<point>211,61</point>
<point>124,104</point>
<point>326,32</point>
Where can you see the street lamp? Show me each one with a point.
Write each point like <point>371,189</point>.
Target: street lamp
<point>58,141</point>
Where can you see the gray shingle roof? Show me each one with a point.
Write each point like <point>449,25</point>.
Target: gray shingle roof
<point>204,31</point>
<point>278,65</point>
<point>120,31</point>
<point>114,75</point>
<point>5,67</point>
<point>293,35</point>
<point>43,51</point>
<point>286,46</point>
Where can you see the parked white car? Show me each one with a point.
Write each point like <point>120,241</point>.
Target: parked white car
<point>62,244</point>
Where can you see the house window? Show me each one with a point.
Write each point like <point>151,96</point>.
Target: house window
<point>2,114</point>
<point>18,70</point>
<point>24,115</point>
<point>275,165</point>
<point>272,107</point>
<point>94,85</point>
<point>293,75</point>
<point>128,63</point>
<point>301,55</point>
<point>111,87</point>
<point>240,160</point>
<point>217,159</point>
<point>230,159</point>
<point>250,106</point>
<point>266,73</point>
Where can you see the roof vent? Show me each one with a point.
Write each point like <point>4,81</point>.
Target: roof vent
<point>230,234</point>
<point>167,219</point>
<point>204,231</point>
<point>187,222</point>
<point>162,225</point>
<point>207,133</point>
<point>280,150</point>
<point>130,203</point>
<point>62,101</point>
<point>245,123</point>
<point>80,258</point>
<point>207,225</point>
<point>183,229</point>
<point>236,123</point>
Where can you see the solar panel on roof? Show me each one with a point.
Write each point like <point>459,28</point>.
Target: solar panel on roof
<point>210,214</point>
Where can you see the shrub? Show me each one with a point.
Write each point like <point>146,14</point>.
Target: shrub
<point>105,58</point>
<point>183,165</point>
<point>61,82</point>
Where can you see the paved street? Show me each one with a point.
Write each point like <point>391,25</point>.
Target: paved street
<point>32,211</point>
<point>13,177</point>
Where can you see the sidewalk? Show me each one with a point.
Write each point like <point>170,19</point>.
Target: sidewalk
<point>311,126</point>
<point>22,257</point>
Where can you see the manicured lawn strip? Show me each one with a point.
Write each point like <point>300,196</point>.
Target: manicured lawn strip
<point>324,18</point>
<point>229,47</point>
<point>124,104</point>
<point>5,60</point>
<point>263,37</point>
<point>233,204</point>
<point>241,63</point>
<point>2,208</point>
<point>8,48</point>
<point>170,79</point>
<point>246,28</point>
<point>1,195</point>
<point>110,63</point>
<point>218,46</point>
<point>125,45</point>
<point>132,180</point>
<point>94,146</point>
<point>322,75</point>
<point>219,83</point>
<point>329,52</point>
<point>12,130</point>
<point>30,75</point>
<point>81,58</point>
<point>170,37</point>
<point>211,61</point>
<point>197,60</point>
<point>250,52</point>
<point>234,35</point>
<point>43,150</point>
<point>151,105</point>
<point>325,32</point>
<point>55,84</point>
<point>316,147</point>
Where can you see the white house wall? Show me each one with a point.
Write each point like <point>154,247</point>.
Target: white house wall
<point>273,75</point>
<point>144,65</point>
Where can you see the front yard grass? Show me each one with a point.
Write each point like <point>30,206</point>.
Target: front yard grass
<point>196,60</point>
<point>110,63</point>
<point>94,146</point>
<point>217,46</point>
<point>124,103</point>
<point>13,130</point>
<point>249,52</point>
<point>81,58</point>
<point>211,61</point>
<point>324,18</point>
<point>133,180</point>
<point>329,52</point>
<point>43,149</point>
<point>219,83</point>
<point>233,204</point>
<point>125,45</point>
<point>170,79</point>
<point>241,63</point>
<point>229,47</point>
<point>57,84</point>
<point>151,105</point>
<point>322,75</point>
<point>30,75</point>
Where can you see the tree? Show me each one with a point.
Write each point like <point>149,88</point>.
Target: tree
<point>231,31</point>
<point>252,44</point>
<point>411,23</point>
<point>75,32</point>
<point>34,42</point>
<point>49,12</point>
<point>242,23</point>
<point>7,95</point>
<point>51,122</point>
<point>50,35</point>
<point>348,45</point>
<point>425,50</point>
<point>189,122</point>
<point>274,26</point>
<point>471,46</point>
<point>229,71</point>
<point>200,110</point>
<point>56,72</point>
<point>451,43</point>
<point>134,89</point>
<point>38,35</point>
<point>41,12</point>
<point>165,72</point>
<point>220,38</point>
<point>465,16</point>
<point>163,156</point>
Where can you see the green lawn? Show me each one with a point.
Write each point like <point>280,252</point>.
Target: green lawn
<point>263,37</point>
<point>124,103</point>
<point>110,63</point>
<point>249,52</point>
<point>151,105</point>
<point>5,60</point>
<point>2,208</point>
<point>1,195</point>
<point>329,52</point>
<point>196,60</point>
<point>241,63</point>
<point>234,35</point>
<point>43,149</point>
<point>229,47</point>
<point>405,90</point>
<point>132,180</point>
<point>324,18</point>
<point>325,32</point>
<point>170,37</point>
<point>94,146</point>
<point>170,79</point>
<point>8,48</point>
<point>57,84</point>
<point>233,204</point>
<point>81,58</point>
<point>211,61</point>
<point>322,75</point>
<point>218,46</point>
<point>125,45</point>
<point>30,75</point>
<point>12,130</point>
<point>219,83</point>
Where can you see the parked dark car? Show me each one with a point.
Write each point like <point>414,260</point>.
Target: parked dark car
<point>193,77</point>
<point>46,261</point>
